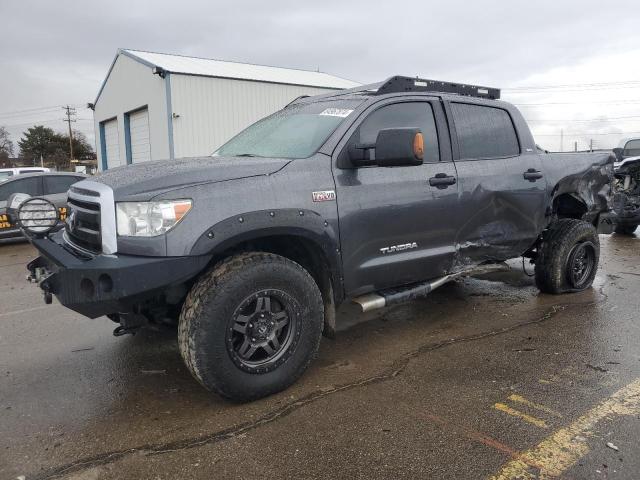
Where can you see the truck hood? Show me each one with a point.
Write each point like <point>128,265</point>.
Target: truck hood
<point>152,178</point>
<point>624,162</point>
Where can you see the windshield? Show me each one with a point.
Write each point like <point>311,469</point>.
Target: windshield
<point>295,132</point>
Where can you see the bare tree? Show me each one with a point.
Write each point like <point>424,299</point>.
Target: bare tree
<point>6,145</point>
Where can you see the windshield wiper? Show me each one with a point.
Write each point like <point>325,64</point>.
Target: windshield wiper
<point>246,155</point>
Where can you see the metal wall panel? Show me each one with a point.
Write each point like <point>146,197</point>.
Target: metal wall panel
<point>209,111</point>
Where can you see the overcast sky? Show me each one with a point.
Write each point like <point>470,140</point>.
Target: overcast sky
<point>54,53</point>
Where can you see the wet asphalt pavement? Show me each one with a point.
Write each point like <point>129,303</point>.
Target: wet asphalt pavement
<point>486,378</point>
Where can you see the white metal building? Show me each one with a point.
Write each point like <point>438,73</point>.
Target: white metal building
<point>154,106</point>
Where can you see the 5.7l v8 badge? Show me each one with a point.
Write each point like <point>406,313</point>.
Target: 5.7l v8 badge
<point>324,196</point>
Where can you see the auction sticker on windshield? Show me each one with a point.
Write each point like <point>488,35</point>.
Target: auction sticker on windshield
<point>336,112</point>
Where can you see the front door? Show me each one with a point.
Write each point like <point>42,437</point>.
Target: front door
<point>396,225</point>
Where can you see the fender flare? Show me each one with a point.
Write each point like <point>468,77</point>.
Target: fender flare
<point>302,223</point>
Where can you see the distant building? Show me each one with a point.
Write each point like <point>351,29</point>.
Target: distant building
<point>154,106</point>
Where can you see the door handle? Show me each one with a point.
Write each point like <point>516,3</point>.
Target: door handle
<point>442,181</point>
<point>532,175</point>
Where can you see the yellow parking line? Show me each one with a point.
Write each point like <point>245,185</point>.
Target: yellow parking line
<point>537,406</point>
<point>516,413</point>
<point>553,456</point>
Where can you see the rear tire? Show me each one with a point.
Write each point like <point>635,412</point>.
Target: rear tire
<point>251,325</point>
<point>625,229</point>
<point>567,257</point>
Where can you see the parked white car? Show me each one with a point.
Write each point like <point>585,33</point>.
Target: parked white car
<point>7,173</point>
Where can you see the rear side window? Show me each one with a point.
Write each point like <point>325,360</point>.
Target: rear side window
<point>58,184</point>
<point>404,115</point>
<point>30,171</point>
<point>26,185</point>
<point>484,132</point>
<point>632,148</point>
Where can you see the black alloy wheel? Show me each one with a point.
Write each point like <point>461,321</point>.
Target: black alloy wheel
<point>262,330</point>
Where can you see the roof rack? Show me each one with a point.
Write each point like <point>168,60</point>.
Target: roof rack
<point>408,84</point>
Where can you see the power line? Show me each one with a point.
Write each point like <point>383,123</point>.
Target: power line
<point>575,85</point>
<point>41,122</point>
<point>582,134</point>
<point>597,119</point>
<point>28,114</point>
<point>620,102</point>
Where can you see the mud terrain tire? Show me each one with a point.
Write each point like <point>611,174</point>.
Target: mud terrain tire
<point>567,257</point>
<point>231,334</point>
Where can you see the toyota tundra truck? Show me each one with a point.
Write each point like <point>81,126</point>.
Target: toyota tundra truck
<point>375,195</point>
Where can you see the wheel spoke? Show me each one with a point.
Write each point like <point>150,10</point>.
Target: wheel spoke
<point>240,327</point>
<point>281,324</point>
<point>263,304</point>
<point>275,342</point>
<point>269,349</point>
<point>246,350</point>
<point>240,323</point>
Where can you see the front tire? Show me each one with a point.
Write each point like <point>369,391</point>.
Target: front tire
<point>625,229</point>
<point>567,257</point>
<point>251,325</point>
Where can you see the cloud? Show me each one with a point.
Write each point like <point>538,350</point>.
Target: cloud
<point>55,53</point>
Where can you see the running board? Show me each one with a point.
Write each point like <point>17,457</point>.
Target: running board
<point>385,298</point>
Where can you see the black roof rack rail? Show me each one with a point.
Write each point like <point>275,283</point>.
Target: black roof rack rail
<point>399,84</point>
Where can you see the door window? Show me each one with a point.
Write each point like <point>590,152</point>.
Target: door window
<point>59,183</point>
<point>484,132</point>
<point>26,185</point>
<point>632,148</point>
<point>403,115</point>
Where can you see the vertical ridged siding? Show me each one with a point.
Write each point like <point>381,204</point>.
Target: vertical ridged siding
<point>212,110</point>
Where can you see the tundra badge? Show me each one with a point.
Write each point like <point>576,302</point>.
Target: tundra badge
<point>398,248</point>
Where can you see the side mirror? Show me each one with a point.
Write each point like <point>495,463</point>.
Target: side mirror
<point>618,153</point>
<point>399,147</point>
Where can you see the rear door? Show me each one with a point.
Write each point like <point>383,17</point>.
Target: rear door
<point>502,188</point>
<point>396,228</point>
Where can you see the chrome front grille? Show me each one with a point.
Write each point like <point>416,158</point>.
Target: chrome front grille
<point>83,224</point>
<point>91,224</point>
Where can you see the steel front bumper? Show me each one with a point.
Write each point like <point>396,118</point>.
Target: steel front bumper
<point>106,284</point>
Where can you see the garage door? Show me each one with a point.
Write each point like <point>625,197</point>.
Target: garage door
<point>111,143</point>
<point>139,136</point>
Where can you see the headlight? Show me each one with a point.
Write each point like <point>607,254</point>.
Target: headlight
<point>148,219</point>
<point>37,216</point>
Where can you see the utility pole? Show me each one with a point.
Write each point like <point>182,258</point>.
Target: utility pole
<point>575,146</point>
<point>562,140</point>
<point>70,113</point>
<point>591,145</point>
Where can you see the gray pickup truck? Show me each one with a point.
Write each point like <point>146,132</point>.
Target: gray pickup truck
<point>377,195</point>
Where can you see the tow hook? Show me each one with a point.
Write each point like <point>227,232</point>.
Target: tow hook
<point>121,330</point>
<point>130,323</point>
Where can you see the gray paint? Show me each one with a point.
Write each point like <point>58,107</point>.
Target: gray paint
<point>491,213</point>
